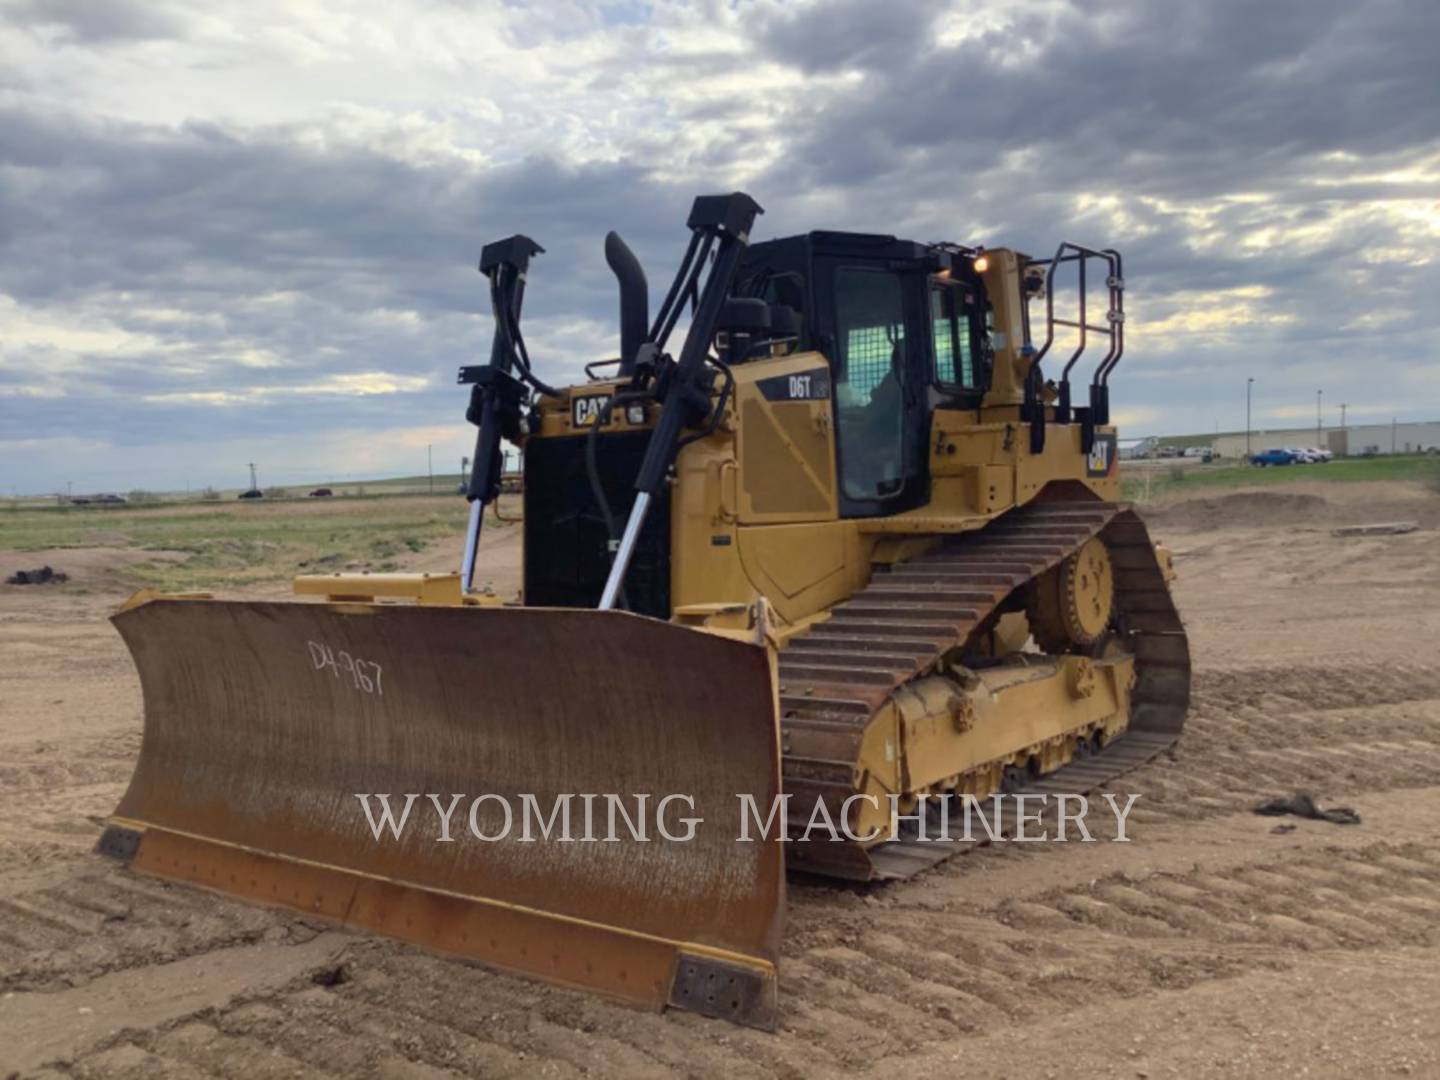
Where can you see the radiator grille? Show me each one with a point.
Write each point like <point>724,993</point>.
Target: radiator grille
<point>567,556</point>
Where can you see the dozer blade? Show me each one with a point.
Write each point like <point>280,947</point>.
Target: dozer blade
<point>265,721</point>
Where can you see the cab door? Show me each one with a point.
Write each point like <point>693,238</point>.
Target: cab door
<point>877,321</point>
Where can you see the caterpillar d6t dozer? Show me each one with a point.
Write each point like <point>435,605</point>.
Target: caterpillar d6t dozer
<point>851,547</point>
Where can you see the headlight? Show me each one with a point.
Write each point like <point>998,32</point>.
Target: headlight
<point>635,414</point>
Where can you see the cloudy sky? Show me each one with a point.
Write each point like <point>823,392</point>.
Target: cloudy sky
<point>236,232</point>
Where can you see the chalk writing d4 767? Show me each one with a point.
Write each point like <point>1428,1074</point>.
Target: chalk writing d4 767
<point>363,675</point>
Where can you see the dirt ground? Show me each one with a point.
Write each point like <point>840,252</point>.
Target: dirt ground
<point>1209,946</point>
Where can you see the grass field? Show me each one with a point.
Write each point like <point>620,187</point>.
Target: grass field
<point>232,543</point>
<point>1144,481</point>
<point>439,484</point>
<point>445,484</point>
<point>237,543</point>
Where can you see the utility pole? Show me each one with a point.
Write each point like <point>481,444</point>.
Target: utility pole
<point>1248,384</point>
<point>254,485</point>
<point>1344,434</point>
<point>1318,424</point>
<point>1392,434</point>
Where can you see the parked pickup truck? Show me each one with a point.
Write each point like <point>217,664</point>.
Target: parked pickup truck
<point>1274,456</point>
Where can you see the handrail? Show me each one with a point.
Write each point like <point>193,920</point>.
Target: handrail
<point>1113,329</point>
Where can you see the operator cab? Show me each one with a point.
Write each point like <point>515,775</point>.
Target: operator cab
<point>904,327</point>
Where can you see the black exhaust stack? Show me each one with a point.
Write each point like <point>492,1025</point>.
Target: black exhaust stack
<point>634,300</point>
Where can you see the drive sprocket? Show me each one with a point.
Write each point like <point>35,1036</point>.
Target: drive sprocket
<point>1070,605</point>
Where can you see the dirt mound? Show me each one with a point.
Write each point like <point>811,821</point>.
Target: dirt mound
<point>103,568</point>
<point>45,575</point>
<point>1244,509</point>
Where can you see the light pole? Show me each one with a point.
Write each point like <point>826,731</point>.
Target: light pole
<point>1248,384</point>
<point>1344,435</point>
<point>1318,424</point>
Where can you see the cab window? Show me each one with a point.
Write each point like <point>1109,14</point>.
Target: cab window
<point>955,318</point>
<point>870,386</point>
<point>787,289</point>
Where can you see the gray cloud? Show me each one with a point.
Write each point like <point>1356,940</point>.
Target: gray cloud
<point>1169,110</point>
<point>87,23</point>
<point>1184,97</point>
<point>885,37</point>
<point>1266,171</point>
<point>333,262</point>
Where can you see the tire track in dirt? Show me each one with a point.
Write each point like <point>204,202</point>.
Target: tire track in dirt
<point>862,981</point>
<point>888,977</point>
<point>1257,732</point>
<point>867,974</point>
<point>1118,937</point>
<point>52,794</point>
<point>103,919</point>
<point>205,1048</point>
<point>44,767</point>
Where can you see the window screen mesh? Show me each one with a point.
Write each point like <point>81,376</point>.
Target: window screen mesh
<point>867,357</point>
<point>952,335</point>
<point>945,355</point>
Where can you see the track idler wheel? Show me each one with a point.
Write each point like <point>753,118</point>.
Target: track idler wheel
<point>1069,606</point>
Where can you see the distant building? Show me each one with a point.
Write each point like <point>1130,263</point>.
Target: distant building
<point>1412,438</point>
<point>1352,441</point>
<point>1131,449</point>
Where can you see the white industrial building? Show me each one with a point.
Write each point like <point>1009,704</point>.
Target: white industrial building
<point>1352,440</point>
<point>1130,449</point>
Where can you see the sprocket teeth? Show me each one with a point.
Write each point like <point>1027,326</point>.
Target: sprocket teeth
<point>1070,605</point>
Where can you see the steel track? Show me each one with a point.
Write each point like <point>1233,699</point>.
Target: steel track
<point>897,629</point>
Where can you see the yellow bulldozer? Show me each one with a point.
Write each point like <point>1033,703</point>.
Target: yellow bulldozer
<point>850,554</point>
